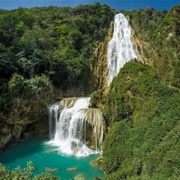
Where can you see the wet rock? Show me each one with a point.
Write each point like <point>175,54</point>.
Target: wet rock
<point>26,119</point>
<point>17,131</point>
<point>4,128</point>
<point>96,178</point>
<point>27,135</point>
<point>79,177</point>
<point>72,169</point>
<point>100,69</point>
<point>51,170</point>
<point>4,140</point>
<point>97,162</point>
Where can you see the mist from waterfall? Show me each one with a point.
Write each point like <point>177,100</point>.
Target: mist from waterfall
<point>68,123</point>
<point>120,47</point>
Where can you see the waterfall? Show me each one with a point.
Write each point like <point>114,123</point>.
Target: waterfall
<point>120,47</point>
<point>53,115</point>
<point>73,125</point>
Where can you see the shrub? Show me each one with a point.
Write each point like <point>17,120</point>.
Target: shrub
<point>38,85</point>
<point>23,173</point>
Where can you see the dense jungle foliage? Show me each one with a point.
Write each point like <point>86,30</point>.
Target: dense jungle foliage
<point>42,48</point>
<point>143,140</point>
<point>20,173</point>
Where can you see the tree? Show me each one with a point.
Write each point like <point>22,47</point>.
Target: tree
<point>23,173</point>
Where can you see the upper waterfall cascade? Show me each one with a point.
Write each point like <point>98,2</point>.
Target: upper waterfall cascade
<point>120,47</point>
<point>73,125</point>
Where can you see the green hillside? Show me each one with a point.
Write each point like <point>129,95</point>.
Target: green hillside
<point>142,107</point>
<point>143,140</point>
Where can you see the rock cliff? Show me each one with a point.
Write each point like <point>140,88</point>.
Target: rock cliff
<point>100,61</point>
<point>27,118</point>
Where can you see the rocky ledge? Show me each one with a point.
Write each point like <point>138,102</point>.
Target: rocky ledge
<point>28,117</point>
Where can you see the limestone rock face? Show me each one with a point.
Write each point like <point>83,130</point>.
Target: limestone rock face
<point>4,128</point>
<point>95,127</point>
<point>67,102</point>
<point>100,70</point>
<point>5,140</point>
<point>28,117</point>
<point>138,45</point>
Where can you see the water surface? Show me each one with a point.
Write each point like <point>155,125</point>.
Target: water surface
<point>45,156</point>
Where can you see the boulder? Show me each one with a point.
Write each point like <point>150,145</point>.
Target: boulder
<point>72,169</point>
<point>5,139</point>
<point>79,177</point>
<point>51,170</point>
<point>17,131</point>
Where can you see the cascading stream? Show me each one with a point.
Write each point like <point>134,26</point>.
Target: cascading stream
<point>120,47</point>
<point>69,122</point>
<point>53,116</point>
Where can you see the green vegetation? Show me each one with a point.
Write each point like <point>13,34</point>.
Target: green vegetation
<point>96,97</point>
<point>126,96</point>
<point>38,85</point>
<point>23,173</point>
<point>167,35</point>
<point>143,115</point>
<point>43,48</point>
<point>54,41</point>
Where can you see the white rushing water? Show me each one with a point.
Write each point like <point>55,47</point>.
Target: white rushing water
<point>67,122</point>
<point>120,47</point>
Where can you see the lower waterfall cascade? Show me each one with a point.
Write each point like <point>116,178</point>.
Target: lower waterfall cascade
<point>74,128</point>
